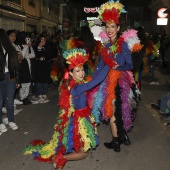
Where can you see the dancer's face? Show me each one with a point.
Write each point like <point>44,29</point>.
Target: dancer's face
<point>112,30</point>
<point>78,73</point>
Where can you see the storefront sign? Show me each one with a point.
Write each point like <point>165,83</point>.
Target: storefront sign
<point>161,13</point>
<point>93,10</point>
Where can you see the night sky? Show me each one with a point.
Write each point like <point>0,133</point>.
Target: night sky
<point>80,4</point>
<point>94,3</point>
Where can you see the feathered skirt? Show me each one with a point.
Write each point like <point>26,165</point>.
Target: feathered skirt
<point>118,96</point>
<point>70,134</point>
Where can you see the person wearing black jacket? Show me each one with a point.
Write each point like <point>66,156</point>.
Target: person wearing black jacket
<point>8,84</point>
<point>43,55</point>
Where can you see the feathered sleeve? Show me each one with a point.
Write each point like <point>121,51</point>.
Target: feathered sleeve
<point>131,38</point>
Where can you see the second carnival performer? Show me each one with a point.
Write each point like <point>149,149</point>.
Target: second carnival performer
<point>117,96</point>
<point>86,41</point>
<point>75,131</point>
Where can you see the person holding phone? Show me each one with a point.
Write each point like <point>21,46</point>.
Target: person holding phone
<point>24,45</point>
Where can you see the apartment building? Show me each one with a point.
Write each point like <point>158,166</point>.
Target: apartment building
<point>35,15</point>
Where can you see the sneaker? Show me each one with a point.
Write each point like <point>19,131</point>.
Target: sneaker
<point>155,106</point>
<point>45,99</point>
<point>34,100</point>
<point>152,83</point>
<point>13,126</point>
<point>34,97</point>
<point>17,102</point>
<point>3,128</point>
<point>5,120</point>
<point>41,99</point>
<point>4,110</point>
<point>16,111</point>
<point>167,124</point>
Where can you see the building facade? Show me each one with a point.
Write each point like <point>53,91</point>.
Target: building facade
<point>36,15</point>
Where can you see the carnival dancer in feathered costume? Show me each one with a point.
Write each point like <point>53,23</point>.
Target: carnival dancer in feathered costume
<point>75,131</point>
<point>151,54</point>
<point>86,41</point>
<point>117,95</point>
<point>148,54</point>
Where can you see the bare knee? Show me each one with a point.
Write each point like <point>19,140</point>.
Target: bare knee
<point>86,154</point>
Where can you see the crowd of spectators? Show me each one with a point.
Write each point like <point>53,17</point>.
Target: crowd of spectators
<point>36,55</point>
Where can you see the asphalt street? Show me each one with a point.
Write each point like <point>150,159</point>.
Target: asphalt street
<point>150,148</point>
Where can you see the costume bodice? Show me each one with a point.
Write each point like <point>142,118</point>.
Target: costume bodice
<point>78,92</point>
<point>121,55</point>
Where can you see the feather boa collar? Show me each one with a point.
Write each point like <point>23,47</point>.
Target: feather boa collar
<point>112,50</point>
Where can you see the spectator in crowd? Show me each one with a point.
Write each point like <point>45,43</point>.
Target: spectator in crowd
<point>12,38</point>
<point>8,80</point>
<point>54,46</point>
<point>43,54</point>
<point>163,36</point>
<point>163,105</point>
<point>24,45</point>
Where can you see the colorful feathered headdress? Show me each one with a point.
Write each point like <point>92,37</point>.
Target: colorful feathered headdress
<point>111,11</point>
<point>75,57</point>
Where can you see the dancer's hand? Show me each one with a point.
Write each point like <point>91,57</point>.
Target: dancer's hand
<point>115,66</point>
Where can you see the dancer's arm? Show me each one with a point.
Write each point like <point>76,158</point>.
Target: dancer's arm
<point>79,89</point>
<point>98,68</point>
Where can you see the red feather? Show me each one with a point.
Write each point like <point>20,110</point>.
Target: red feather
<point>111,15</point>
<point>40,159</point>
<point>37,142</point>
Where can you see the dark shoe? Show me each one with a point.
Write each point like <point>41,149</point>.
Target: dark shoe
<point>26,101</point>
<point>125,140</point>
<point>159,102</point>
<point>29,102</point>
<point>166,118</point>
<point>114,144</point>
<point>164,114</point>
<point>155,106</point>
